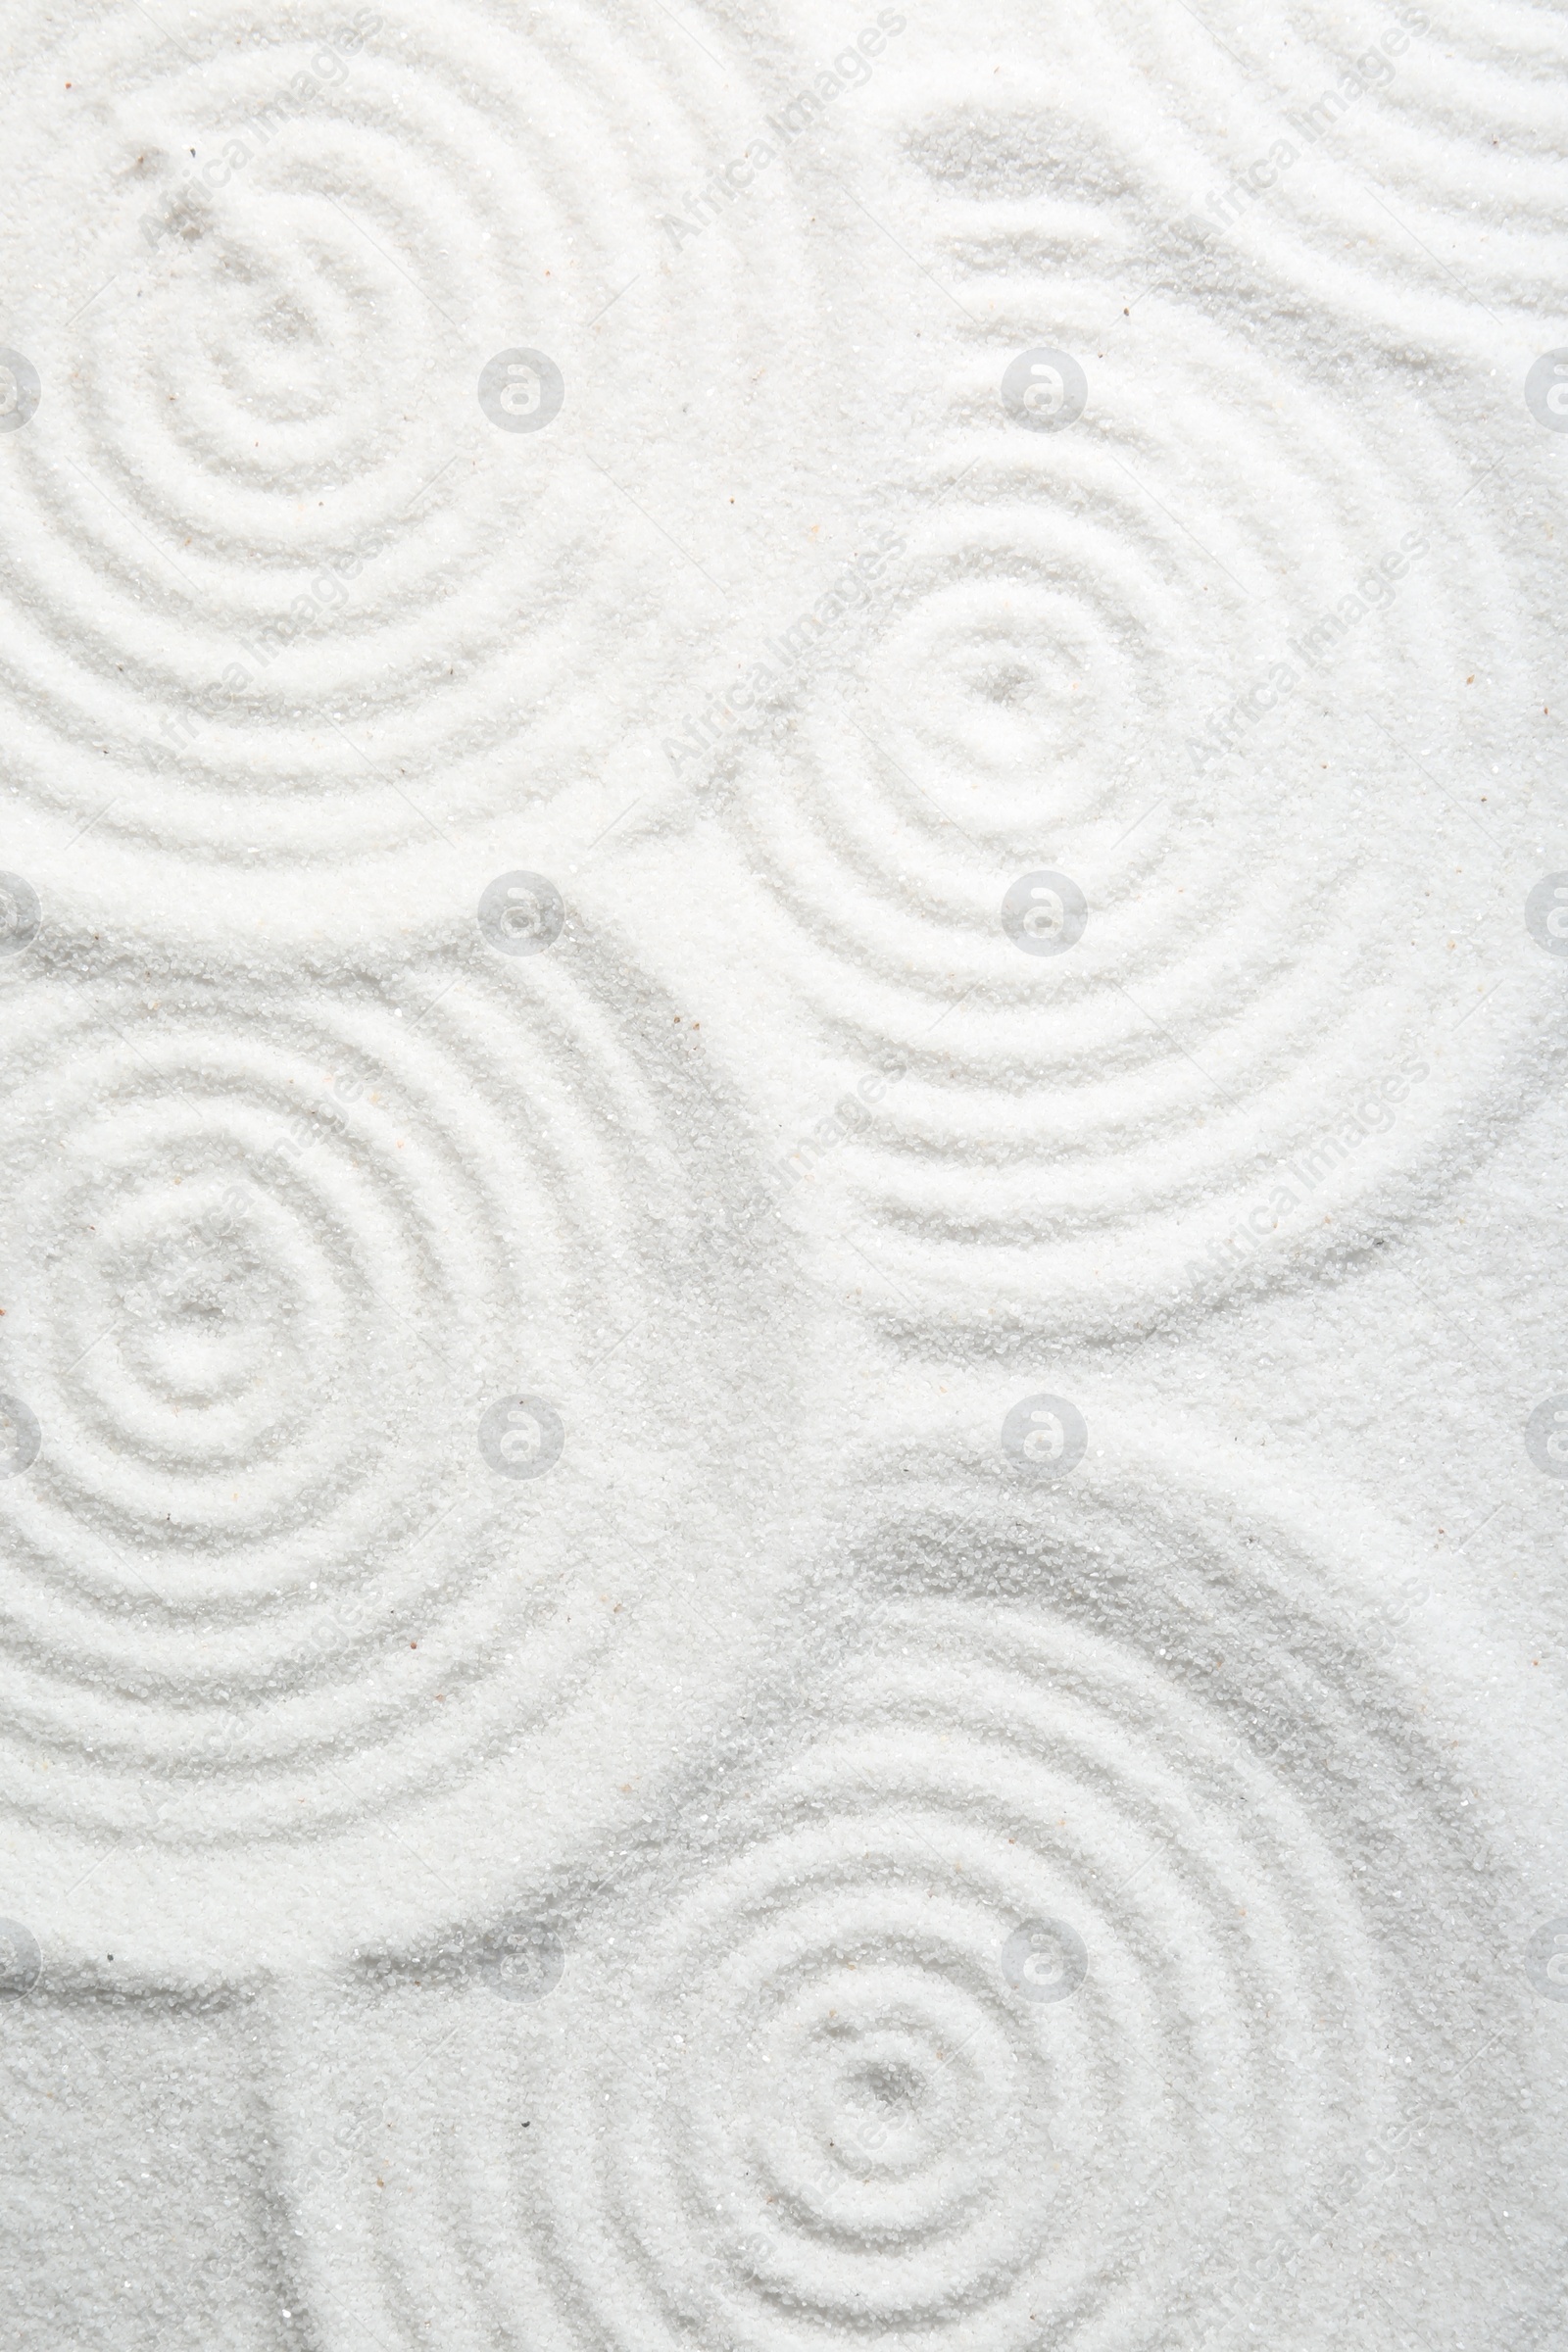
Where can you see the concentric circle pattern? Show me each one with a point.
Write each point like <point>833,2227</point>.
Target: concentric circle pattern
<point>1180,668</point>
<point>276,582</point>
<point>1394,166</point>
<point>280,1248</point>
<point>804,2092</point>
<point>1408,154</point>
<point>782,936</point>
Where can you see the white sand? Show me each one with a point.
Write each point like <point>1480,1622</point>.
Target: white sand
<point>779,1398</point>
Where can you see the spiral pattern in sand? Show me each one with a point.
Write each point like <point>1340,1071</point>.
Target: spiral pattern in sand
<point>1396,168</point>
<point>1401,163</point>
<point>276,582</point>
<point>283,1249</point>
<point>1044,1995</point>
<point>1185,655</point>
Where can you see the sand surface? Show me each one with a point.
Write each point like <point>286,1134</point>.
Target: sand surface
<point>783,1411</point>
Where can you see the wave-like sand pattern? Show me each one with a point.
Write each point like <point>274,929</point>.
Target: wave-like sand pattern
<point>734,741</point>
<point>1411,154</point>
<point>1042,1980</point>
<point>348,1312</point>
<point>1183,653</point>
<point>277,584</point>
<point>1396,168</point>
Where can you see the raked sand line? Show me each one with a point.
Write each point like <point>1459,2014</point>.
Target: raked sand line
<point>1061,1967</point>
<point>281,557</point>
<point>1397,168</point>
<point>1191,672</point>
<point>382,1338</point>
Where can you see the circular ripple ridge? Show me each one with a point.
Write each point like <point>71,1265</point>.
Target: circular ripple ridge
<point>1401,169</point>
<point>809,2097</point>
<point>273,1265</point>
<point>317,582</point>
<point>1188,654</point>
